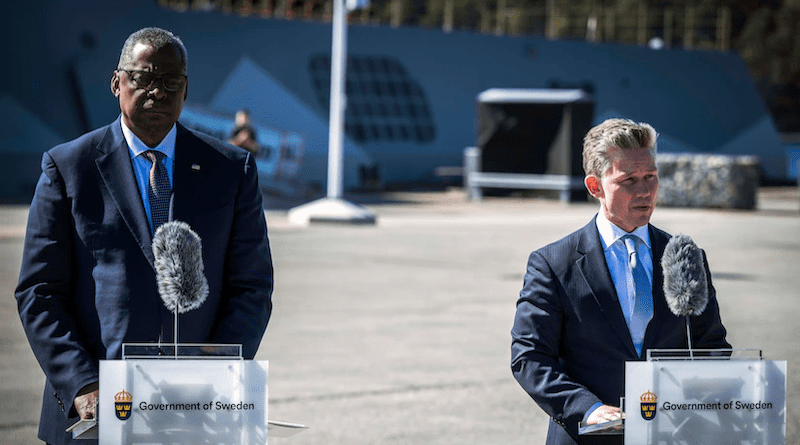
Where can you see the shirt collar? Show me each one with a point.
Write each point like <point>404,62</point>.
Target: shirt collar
<point>611,233</point>
<point>137,147</point>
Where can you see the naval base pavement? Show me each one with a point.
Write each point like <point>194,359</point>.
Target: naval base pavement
<point>399,333</point>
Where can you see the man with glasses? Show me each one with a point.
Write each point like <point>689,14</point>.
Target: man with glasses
<point>88,283</point>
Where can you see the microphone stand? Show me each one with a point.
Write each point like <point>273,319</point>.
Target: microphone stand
<point>177,309</point>
<point>689,337</point>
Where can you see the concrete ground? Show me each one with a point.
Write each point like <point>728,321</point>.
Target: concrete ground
<point>399,333</point>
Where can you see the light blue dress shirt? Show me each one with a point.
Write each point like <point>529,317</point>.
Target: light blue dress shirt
<point>141,166</point>
<point>617,260</point>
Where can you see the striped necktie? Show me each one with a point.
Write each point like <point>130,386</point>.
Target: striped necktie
<point>643,294</point>
<point>159,190</point>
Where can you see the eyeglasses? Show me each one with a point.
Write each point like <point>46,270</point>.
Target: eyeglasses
<point>145,79</point>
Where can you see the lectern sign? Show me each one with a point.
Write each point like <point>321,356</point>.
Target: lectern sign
<point>705,402</point>
<point>183,401</point>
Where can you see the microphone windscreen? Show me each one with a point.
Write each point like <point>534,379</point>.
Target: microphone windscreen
<point>685,282</point>
<point>180,273</point>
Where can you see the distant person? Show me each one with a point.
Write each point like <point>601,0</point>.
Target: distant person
<point>87,283</point>
<point>244,134</point>
<point>585,309</point>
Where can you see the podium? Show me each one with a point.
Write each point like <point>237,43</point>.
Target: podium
<point>702,397</point>
<point>183,394</point>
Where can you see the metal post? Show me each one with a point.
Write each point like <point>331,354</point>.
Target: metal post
<point>688,27</point>
<point>472,165</point>
<point>551,20</point>
<point>447,15</point>
<point>334,209</point>
<point>642,27</point>
<point>338,101</point>
<point>500,25</point>
<point>668,24</point>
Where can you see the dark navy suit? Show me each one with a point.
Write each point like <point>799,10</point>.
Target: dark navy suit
<point>570,341</point>
<point>87,283</point>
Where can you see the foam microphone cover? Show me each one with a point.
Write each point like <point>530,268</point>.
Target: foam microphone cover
<point>685,281</point>
<point>180,273</point>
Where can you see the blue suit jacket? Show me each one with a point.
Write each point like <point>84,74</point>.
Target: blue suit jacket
<point>87,283</point>
<point>570,341</point>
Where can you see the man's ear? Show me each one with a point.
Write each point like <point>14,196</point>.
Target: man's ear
<point>115,84</point>
<point>593,186</point>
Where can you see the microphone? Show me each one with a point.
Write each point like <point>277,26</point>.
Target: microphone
<point>179,266</point>
<point>685,282</point>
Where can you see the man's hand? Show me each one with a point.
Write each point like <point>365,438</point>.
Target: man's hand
<point>604,414</point>
<point>86,402</point>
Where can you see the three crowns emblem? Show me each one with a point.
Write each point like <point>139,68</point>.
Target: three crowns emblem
<point>122,404</point>
<point>648,405</point>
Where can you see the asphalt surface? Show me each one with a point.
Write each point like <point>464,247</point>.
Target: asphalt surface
<point>399,333</point>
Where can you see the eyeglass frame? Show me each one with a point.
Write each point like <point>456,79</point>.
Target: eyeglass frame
<point>156,77</point>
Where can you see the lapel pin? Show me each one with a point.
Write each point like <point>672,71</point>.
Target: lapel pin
<point>195,167</point>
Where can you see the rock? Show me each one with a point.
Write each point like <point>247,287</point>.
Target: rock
<point>708,181</point>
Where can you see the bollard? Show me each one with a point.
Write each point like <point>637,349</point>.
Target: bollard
<point>472,164</point>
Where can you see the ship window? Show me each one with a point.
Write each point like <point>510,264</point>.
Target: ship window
<point>384,104</point>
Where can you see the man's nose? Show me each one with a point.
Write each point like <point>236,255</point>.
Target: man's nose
<point>157,89</point>
<point>641,188</point>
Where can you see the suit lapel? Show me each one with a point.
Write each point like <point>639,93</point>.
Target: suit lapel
<point>114,165</point>
<point>189,171</point>
<point>592,264</point>
<point>661,312</point>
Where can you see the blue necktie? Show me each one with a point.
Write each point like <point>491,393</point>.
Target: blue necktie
<point>643,294</point>
<point>159,190</point>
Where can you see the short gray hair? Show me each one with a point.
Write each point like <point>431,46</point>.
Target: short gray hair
<point>155,37</point>
<point>619,133</point>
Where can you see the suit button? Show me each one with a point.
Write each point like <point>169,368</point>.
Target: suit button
<point>60,403</point>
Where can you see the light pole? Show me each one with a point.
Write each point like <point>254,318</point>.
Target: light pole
<point>333,208</point>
